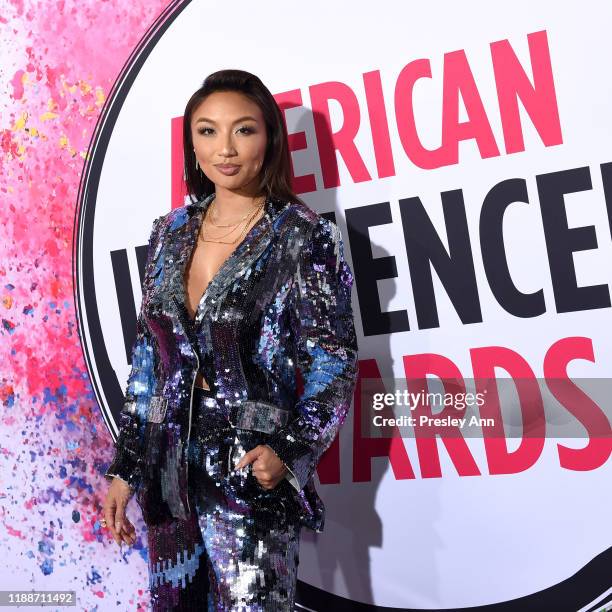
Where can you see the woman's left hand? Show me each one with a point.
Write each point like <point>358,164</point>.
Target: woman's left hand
<point>267,466</point>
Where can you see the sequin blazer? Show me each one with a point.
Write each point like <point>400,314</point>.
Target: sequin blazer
<point>281,302</point>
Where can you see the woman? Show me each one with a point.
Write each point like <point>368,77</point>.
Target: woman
<point>245,289</point>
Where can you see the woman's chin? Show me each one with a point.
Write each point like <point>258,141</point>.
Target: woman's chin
<point>233,183</point>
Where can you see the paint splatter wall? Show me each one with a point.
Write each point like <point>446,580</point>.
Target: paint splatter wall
<point>54,445</point>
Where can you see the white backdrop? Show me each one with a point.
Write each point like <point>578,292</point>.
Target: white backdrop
<point>424,543</point>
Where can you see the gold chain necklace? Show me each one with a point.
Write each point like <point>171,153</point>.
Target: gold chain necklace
<point>213,209</point>
<point>246,225</point>
<point>212,222</point>
<point>242,234</point>
<point>251,216</point>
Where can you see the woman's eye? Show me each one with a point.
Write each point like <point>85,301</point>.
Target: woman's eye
<point>245,129</point>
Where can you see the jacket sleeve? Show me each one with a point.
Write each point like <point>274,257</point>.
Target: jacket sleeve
<point>323,324</point>
<point>127,460</point>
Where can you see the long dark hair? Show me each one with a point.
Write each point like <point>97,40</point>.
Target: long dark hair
<point>275,173</point>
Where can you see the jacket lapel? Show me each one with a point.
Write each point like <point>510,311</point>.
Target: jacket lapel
<point>181,240</point>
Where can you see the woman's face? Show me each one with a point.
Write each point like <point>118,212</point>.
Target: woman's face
<point>228,129</point>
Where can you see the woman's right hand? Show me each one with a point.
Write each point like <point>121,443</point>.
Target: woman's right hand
<point>116,501</point>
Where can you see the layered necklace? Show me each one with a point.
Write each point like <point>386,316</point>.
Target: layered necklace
<point>245,221</point>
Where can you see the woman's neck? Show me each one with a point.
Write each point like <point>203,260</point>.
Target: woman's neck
<point>230,205</point>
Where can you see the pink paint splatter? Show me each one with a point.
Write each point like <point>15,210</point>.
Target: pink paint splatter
<point>54,443</point>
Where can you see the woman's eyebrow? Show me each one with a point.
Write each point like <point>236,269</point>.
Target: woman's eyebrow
<point>236,121</point>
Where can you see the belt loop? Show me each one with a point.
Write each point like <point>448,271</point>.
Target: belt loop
<point>229,458</point>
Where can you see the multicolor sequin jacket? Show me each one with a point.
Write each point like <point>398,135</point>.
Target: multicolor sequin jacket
<point>281,302</point>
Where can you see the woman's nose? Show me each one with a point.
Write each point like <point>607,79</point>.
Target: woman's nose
<point>227,148</point>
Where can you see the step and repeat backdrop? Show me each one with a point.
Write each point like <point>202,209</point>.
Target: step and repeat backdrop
<point>463,150</point>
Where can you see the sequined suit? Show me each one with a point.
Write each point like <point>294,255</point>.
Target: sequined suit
<point>280,303</point>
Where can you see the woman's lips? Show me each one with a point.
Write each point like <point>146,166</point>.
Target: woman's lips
<point>228,170</point>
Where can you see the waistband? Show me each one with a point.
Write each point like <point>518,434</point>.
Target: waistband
<point>205,398</point>
<point>257,415</point>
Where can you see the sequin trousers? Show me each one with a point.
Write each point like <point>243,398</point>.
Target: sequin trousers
<point>247,551</point>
